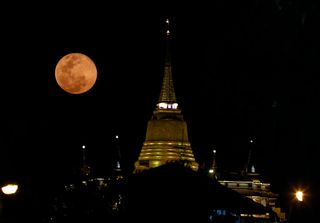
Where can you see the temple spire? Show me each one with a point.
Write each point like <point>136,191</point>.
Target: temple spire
<point>117,166</point>
<point>167,134</point>
<point>168,44</point>
<point>167,99</point>
<point>249,167</point>
<point>213,169</point>
<point>85,169</point>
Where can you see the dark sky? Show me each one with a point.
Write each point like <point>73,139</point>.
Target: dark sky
<point>240,70</point>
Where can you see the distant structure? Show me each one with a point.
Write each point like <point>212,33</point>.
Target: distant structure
<point>249,183</point>
<point>167,136</point>
<point>87,196</point>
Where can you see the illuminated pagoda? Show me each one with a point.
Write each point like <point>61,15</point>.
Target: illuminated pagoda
<point>167,136</point>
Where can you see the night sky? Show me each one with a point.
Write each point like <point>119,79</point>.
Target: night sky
<point>240,70</point>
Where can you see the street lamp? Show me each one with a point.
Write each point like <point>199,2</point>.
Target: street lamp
<point>299,195</point>
<point>7,201</point>
<point>9,189</point>
<point>296,205</point>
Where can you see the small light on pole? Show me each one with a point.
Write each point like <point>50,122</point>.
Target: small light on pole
<point>296,203</point>
<point>212,170</point>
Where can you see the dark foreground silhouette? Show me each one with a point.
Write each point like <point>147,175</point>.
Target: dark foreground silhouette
<point>169,193</point>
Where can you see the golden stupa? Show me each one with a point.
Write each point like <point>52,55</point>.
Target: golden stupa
<point>167,135</point>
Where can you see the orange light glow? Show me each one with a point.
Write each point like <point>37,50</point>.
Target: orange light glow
<point>299,195</point>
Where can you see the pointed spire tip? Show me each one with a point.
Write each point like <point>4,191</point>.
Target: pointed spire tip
<point>168,28</point>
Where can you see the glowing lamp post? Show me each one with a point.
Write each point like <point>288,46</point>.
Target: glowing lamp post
<point>9,189</point>
<point>8,203</point>
<point>296,205</point>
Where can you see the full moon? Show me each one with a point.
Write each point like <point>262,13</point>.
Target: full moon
<point>76,73</point>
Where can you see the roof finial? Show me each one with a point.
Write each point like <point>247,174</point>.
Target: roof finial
<point>249,161</point>
<point>213,169</point>
<point>168,27</point>
<point>84,158</point>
